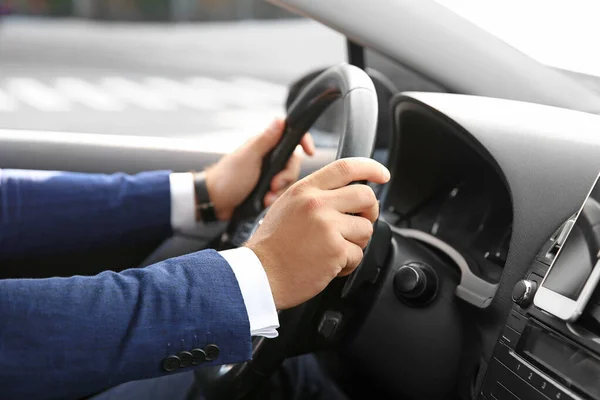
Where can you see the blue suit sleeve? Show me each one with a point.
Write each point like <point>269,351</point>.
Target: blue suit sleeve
<point>44,212</point>
<point>64,338</point>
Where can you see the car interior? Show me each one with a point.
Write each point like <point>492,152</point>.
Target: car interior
<point>491,154</point>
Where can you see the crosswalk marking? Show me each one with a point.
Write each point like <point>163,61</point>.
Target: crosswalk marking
<point>7,103</point>
<point>150,93</point>
<point>78,90</point>
<point>137,94</point>
<point>37,95</point>
<point>183,94</point>
<point>214,89</point>
<point>239,92</point>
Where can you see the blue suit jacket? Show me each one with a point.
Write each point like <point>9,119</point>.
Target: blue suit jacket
<point>70,337</point>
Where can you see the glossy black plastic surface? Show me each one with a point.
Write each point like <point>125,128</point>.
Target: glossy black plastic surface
<point>411,352</point>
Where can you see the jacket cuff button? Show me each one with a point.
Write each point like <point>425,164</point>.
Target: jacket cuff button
<point>199,356</point>
<point>212,351</point>
<point>186,358</point>
<point>171,363</point>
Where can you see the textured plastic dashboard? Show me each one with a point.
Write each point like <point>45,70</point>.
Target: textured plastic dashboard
<point>548,157</point>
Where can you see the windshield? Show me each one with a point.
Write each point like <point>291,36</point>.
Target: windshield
<point>217,72</point>
<point>559,33</point>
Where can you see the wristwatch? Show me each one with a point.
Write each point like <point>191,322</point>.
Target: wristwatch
<point>205,209</point>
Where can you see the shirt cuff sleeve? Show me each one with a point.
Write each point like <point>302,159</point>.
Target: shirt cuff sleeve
<point>256,291</point>
<point>183,213</point>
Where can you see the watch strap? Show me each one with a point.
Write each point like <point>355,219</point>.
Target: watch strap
<point>205,209</point>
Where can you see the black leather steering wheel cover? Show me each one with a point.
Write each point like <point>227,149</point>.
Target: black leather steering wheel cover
<point>357,92</point>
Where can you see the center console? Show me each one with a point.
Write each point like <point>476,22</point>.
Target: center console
<point>539,356</point>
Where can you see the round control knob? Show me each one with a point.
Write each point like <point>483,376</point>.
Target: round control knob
<point>416,284</point>
<point>523,293</point>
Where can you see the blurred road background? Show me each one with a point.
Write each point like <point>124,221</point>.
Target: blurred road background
<point>122,72</point>
<point>189,67</point>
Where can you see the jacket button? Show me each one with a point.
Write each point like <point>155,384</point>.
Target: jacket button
<point>171,363</point>
<point>186,358</point>
<point>212,351</point>
<point>199,356</point>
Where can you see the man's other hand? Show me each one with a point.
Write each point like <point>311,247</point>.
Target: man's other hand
<point>232,179</point>
<point>317,229</point>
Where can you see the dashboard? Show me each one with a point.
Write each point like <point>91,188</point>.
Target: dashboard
<point>444,186</point>
<point>494,180</point>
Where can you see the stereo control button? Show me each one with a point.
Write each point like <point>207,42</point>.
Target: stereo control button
<point>502,393</point>
<point>416,284</point>
<point>510,337</point>
<point>523,293</point>
<point>560,395</point>
<point>548,389</point>
<point>503,355</point>
<point>516,321</point>
<point>524,372</point>
<point>534,379</point>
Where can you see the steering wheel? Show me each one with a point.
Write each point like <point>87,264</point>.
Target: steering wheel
<point>357,92</point>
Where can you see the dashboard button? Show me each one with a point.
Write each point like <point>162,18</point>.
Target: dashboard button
<point>416,284</point>
<point>499,392</point>
<point>330,323</point>
<point>548,389</point>
<point>523,293</point>
<point>524,371</point>
<point>515,384</point>
<point>510,337</point>
<point>534,379</point>
<point>502,353</point>
<point>517,321</point>
<point>560,395</point>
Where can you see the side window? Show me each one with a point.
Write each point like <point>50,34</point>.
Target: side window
<point>178,68</point>
<point>404,78</point>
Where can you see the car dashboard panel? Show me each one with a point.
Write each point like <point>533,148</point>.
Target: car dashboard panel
<point>445,186</point>
<point>464,170</point>
<point>494,179</point>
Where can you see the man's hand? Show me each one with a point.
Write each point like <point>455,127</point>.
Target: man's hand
<point>317,230</point>
<point>232,179</point>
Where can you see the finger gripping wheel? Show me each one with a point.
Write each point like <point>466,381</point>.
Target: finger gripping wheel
<point>356,91</point>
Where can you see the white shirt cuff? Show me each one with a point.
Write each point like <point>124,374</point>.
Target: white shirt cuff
<point>183,203</point>
<point>256,291</point>
<point>247,268</point>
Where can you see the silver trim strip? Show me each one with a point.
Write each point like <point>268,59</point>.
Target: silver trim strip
<point>546,377</point>
<point>472,288</point>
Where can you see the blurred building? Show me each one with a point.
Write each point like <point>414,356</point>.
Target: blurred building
<point>150,10</point>
<point>39,7</point>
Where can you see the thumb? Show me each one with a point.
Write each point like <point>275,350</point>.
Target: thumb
<point>264,142</point>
